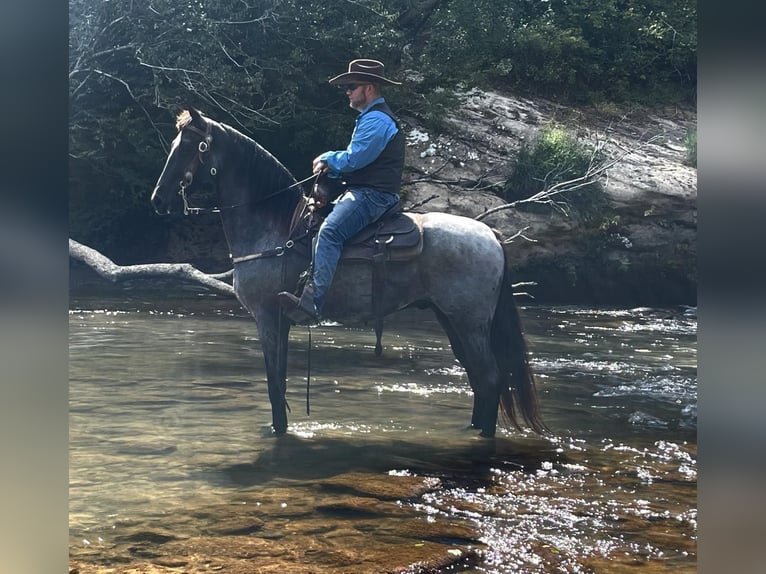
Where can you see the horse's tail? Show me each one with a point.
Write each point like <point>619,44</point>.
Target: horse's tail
<point>518,393</point>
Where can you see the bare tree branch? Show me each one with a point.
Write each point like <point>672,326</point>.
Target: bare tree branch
<point>523,294</point>
<point>519,234</point>
<point>160,137</point>
<point>464,183</point>
<point>550,194</point>
<point>361,5</point>
<point>423,202</point>
<point>107,269</point>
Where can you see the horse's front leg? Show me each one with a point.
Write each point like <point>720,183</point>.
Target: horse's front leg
<point>274,330</point>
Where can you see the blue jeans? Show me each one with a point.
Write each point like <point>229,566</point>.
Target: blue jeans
<point>354,210</point>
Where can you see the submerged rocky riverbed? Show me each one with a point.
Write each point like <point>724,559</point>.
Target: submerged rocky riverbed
<point>173,468</point>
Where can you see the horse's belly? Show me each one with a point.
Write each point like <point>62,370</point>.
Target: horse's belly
<point>350,298</point>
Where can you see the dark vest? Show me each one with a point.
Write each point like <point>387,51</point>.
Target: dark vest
<point>385,173</point>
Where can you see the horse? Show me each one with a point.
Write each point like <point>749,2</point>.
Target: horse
<point>461,272</point>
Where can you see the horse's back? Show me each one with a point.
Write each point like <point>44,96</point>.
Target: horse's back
<point>464,241</point>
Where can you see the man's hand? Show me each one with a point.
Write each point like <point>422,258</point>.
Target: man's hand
<point>319,166</point>
<point>320,195</point>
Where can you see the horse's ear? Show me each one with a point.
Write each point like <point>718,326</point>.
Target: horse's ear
<point>195,114</point>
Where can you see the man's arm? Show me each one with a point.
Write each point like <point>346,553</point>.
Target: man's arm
<point>372,134</point>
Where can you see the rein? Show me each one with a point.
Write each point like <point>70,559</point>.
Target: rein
<point>292,240</point>
<point>188,210</point>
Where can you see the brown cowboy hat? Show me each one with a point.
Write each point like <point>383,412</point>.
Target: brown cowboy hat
<point>363,71</point>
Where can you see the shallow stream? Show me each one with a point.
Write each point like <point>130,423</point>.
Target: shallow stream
<point>173,467</point>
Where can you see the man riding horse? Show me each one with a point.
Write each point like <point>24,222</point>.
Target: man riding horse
<point>370,170</point>
<point>458,268</point>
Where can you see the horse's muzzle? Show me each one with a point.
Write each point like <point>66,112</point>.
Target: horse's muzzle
<point>161,206</point>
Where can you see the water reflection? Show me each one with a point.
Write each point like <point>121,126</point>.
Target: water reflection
<point>169,437</point>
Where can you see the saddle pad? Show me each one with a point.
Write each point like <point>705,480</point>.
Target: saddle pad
<point>399,236</point>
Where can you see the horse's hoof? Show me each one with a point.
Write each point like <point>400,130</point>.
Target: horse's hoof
<point>269,431</point>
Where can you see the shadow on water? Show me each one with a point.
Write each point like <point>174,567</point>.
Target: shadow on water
<point>302,459</point>
<point>172,470</point>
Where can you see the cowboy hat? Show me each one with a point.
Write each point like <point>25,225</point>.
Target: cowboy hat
<point>363,71</point>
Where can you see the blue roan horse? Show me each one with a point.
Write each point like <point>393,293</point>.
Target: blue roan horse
<point>461,272</point>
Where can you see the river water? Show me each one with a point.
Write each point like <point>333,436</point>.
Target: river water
<point>173,468</point>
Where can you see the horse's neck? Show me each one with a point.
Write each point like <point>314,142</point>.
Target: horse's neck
<point>261,220</point>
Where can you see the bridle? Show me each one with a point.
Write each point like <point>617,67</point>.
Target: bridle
<point>202,148</point>
<point>199,159</point>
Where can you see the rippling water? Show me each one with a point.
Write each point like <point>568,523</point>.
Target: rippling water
<point>169,419</point>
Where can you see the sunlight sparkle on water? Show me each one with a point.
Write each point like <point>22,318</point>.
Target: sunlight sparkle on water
<point>169,424</point>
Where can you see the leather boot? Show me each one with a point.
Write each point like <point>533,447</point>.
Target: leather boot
<point>301,310</point>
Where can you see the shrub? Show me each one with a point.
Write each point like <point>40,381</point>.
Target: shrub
<point>691,147</point>
<point>553,157</point>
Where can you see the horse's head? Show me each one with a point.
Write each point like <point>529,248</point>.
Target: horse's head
<point>192,161</point>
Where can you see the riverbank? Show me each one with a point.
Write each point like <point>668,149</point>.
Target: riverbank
<point>634,245</point>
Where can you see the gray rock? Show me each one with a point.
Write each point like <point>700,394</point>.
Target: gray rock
<point>637,247</point>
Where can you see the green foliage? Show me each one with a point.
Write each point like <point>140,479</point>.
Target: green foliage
<point>690,142</point>
<point>580,51</point>
<point>610,223</point>
<point>555,156</point>
<point>262,66</point>
<point>550,61</point>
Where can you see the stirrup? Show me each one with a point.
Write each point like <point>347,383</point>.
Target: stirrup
<point>301,311</point>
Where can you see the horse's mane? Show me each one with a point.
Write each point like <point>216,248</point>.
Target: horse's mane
<point>183,119</point>
<point>261,160</point>
<point>264,162</point>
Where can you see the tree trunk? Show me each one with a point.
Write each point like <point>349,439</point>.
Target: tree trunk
<point>109,270</point>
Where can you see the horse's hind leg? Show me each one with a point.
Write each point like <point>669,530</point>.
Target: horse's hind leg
<point>457,350</point>
<point>471,346</point>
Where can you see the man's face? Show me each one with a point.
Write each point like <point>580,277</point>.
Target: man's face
<point>358,95</point>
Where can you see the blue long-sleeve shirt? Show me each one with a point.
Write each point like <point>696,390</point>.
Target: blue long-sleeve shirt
<point>373,131</point>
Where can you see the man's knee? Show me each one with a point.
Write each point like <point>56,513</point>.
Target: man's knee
<point>329,232</point>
